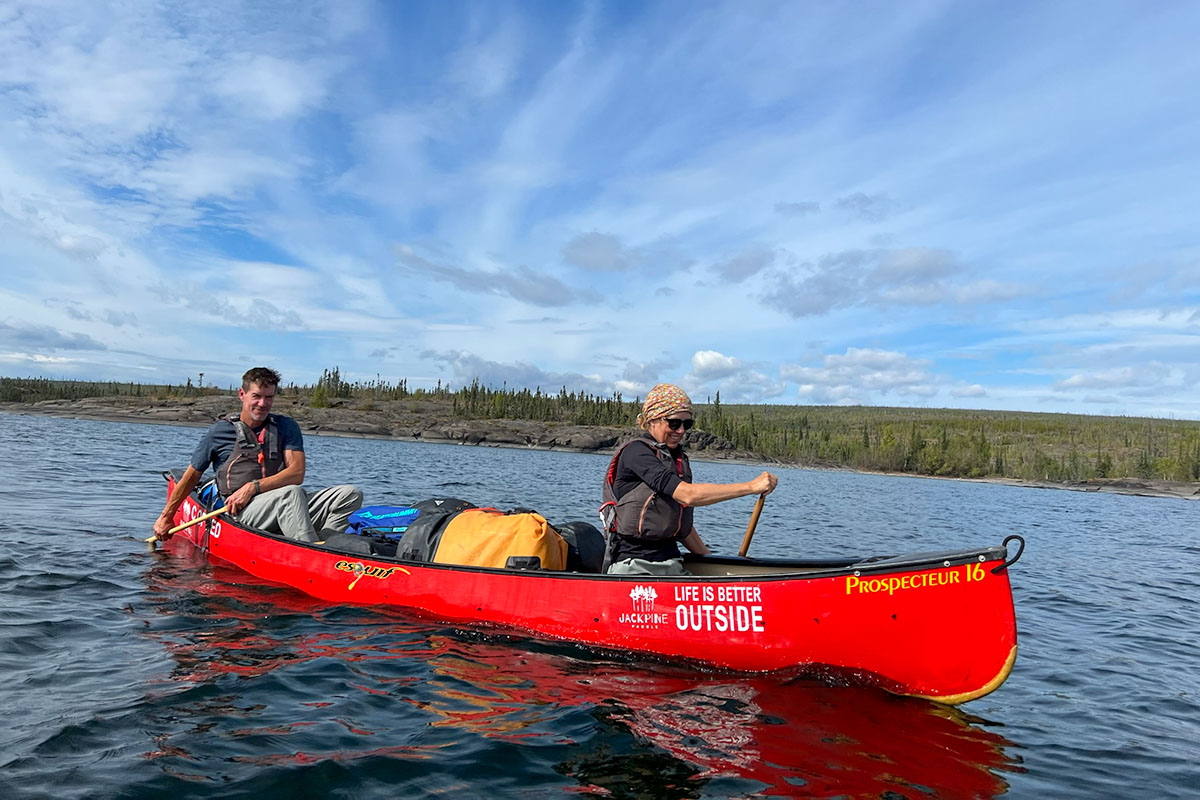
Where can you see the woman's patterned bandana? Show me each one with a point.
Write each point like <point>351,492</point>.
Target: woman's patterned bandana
<point>662,400</point>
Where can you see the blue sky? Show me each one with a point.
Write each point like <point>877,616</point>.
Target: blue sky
<point>945,204</point>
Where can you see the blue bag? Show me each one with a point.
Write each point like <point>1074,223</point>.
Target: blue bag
<point>210,498</point>
<point>389,521</point>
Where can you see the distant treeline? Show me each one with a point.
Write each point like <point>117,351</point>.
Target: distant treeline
<point>959,443</point>
<point>480,402</point>
<point>921,441</point>
<point>34,390</point>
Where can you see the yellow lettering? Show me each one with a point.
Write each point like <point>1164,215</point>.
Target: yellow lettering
<point>372,571</point>
<point>941,577</point>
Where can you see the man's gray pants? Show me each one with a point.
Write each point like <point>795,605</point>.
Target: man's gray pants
<point>640,566</point>
<point>303,515</point>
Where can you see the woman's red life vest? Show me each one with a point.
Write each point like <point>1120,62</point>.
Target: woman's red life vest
<point>253,456</point>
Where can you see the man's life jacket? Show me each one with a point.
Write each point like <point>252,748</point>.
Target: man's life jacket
<point>643,513</point>
<point>253,457</point>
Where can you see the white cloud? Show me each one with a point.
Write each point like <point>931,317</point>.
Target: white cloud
<point>869,207</point>
<point>736,380</point>
<point>709,365</point>
<point>268,87</point>
<point>914,264</point>
<point>745,264</point>
<point>862,375</point>
<point>913,276</point>
<point>21,333</point>
<point>203,174</point>
<point>601,252</point>
<point>1132,377</point>
<point>519,283</point>
<point>639,376</point>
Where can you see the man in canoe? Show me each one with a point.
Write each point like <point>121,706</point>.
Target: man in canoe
<point>258,459</point>
<point>649,494</point>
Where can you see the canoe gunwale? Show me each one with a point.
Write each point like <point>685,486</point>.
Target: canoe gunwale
<point>773,569</point>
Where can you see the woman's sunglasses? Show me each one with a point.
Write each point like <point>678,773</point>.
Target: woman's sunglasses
<point>676,424</point>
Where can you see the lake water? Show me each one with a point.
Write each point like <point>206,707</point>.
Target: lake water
<point>134,674</point>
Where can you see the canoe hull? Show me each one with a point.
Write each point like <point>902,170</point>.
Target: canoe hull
<point>939,626</point>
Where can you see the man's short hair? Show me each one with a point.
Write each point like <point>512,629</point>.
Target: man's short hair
<point>263,376</point>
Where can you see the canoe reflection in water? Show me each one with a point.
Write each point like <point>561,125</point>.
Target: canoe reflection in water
<point>314,682</point>
<point>783,734</point>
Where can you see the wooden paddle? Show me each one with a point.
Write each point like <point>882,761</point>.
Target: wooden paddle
<point>762,498</point>
<point>190,523</point>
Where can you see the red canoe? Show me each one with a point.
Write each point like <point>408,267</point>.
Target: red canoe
<point>934,625</point>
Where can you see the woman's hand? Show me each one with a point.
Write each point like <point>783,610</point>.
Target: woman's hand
<point>765,483</point>
<point>694,543</point>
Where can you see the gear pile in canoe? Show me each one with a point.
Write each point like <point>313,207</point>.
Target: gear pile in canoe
<point>937,625</point>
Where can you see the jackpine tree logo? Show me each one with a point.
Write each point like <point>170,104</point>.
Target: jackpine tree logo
<point>643,598</point>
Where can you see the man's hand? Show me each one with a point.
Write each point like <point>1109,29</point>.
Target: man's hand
<point>166,520</point>
<point>162,525</point>
<point>241,498</point>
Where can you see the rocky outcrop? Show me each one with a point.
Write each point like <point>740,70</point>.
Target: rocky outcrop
<point>421,421</point>
<point>576,437</point>
<point>520,433</point>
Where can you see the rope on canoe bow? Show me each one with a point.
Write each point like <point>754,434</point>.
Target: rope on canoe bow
<point>1013,560</point>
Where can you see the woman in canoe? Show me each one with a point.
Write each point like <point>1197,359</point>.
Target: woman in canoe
<point>649,494</point>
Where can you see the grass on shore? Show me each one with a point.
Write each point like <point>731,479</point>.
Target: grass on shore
<point>921,441</point>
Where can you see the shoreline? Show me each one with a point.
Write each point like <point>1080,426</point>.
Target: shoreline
<point>433,428</point>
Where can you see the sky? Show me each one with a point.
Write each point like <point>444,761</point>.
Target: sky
<point>984,205</point>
